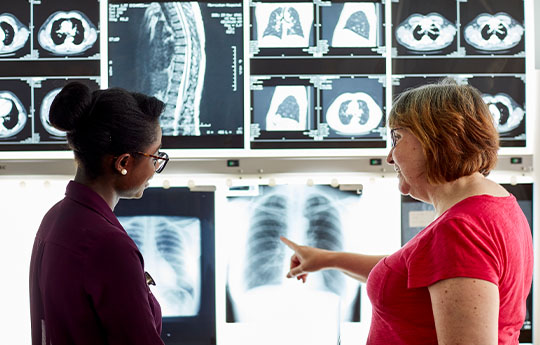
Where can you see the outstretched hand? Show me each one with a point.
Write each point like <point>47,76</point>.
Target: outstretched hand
<point>304,260</point>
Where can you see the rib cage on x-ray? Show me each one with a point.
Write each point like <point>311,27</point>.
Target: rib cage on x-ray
<point>284,22</point>
<point>171,56</point>
<point>315,218</point>
<point>171,250</point>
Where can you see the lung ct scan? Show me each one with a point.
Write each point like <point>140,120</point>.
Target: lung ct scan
<point>185,53</point>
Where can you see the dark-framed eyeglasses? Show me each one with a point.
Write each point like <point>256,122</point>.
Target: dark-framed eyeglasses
<point>393,139</point>
<point>159,161</point>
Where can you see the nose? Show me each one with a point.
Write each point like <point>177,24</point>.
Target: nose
<point>390,158</point>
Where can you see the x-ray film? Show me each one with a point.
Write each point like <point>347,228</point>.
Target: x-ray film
<point>425,33</point>
<point>319,216</point>
<point>171,247</point>
<point>354,107</point>
<point>425,28</point>
<point>174,231</point>
<point>189,55</point>
<point>62,31</point>
<point>283,24</point>
<point>494,29</point>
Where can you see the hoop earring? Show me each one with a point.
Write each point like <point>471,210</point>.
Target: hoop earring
<point>123,172</point>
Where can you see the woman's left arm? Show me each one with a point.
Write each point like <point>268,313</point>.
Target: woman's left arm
<point>466,311</point>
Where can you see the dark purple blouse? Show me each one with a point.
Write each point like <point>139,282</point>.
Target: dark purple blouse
<point>87,282</point>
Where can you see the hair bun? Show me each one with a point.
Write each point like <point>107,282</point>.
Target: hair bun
<point>70,106</point>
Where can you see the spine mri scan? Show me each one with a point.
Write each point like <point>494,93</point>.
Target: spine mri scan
<point>172,59</point>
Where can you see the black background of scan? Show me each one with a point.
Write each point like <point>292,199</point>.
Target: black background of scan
<point>178,201</point>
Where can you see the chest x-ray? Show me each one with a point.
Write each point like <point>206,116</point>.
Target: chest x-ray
<point>67,33</point>
<point>425,33</point>
<point>507,114</point>
<point>493,32</point>
<point>285,24</point>
<point>13,34</point>
<point>257,288</point>
<point>13,115</point>
<point>357,26</point>
<point>289,109</point>
<point>171,248</point>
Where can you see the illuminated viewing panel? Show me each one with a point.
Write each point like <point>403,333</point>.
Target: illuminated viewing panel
<point>174,231</point>
<point>190,56</point>
<point>416,215</point>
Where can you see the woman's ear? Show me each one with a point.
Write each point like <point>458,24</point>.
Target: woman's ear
<point>122,163</point>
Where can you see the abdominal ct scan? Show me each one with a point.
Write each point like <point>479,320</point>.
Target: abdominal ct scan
<point>257,289</point>
<point>357,26</point>
<point>283,24</point>
<point>425,33</point>
<point>289,109</point>
<point>13,116</point>
<point>171,248</point>
<point>493,32</point>
<point>67,33</point>
<point>507,114</point>
<point>13,34</point>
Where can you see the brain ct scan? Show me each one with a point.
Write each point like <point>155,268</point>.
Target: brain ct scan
<point>283,24</point>
<point>425,33</point>
<point>67,33</point>
<point>171,248</point>
<point>493,32</point>
<point>507,114</point>
<point>319,216</point>
<point>357,26</point>
<point>354,114</point>
<point>44,114</point>
<point>13,116</point>
<point>13,34</point>
<point>288,109</point>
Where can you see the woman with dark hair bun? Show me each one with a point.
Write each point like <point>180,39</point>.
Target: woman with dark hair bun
<point>465,278</point>
<point>87,278</point>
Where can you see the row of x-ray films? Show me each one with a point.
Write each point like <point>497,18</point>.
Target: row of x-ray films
<point>49,29</point>
<point>190,55</point>
<point>440,27</point>
<point>180,234</point>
